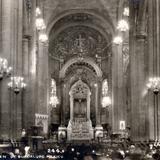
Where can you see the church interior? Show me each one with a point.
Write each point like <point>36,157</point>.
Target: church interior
<point>80,79</point>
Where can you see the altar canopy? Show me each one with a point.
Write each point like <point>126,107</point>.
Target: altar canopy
<point>80,126</point>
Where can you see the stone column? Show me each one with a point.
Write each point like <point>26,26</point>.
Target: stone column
<point>62,102</point>
<point>153,54</point>
<point>98,91</point>
<point>151,66</point>
<point>62,128</point>
<point>18,9</point>
<point>88,105</point>
<point>0,55</point>
<point>138,93</point>
<point>71,106</point>
<point>138,85</point>
<point>6,16</point>
<point>12,50</point>
<point>25,94</point>
<point>96,102</point>
<point>42,78</point>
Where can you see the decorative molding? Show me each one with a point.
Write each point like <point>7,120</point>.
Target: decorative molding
<point>76,60</point>
<point>79,89</point>
<point>41,116</point>
<point>78,40</point>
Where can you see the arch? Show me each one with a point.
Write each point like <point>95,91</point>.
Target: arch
<point>80,90</point>
<point>95,27</point>
<point>76,60</point>
<point>66,13</point>
<point>79,83</point>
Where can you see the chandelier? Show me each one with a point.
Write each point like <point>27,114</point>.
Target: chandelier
<point>123,25</point>
<point>118,40</point>
<point>126,11</point>
<point>106,100</point>
<point>16,84</point>
<point>38,11</point>
<point>53,101</point>
<point>154,84</point>
<point>4,69</point>
<point>40,25</point>
<point>43,37</point>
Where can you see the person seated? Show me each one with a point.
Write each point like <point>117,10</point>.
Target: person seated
<point>117,156</point>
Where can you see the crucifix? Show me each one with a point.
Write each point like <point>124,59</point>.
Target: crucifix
<point>79,42</point>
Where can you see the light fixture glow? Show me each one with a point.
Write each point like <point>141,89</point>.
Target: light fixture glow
<point>4,69</point>
<point>118,40</point>
<point>123,25</point>
<point>40,25</point>
<point>38,11</point>
<point>16,84</point>
<point>106,101</point>
<point>53,101</point>
<point>154,84</point>
<point>43,37</point>
<point>126,11</point>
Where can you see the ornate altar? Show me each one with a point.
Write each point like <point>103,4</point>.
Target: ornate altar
<point>80,125</point>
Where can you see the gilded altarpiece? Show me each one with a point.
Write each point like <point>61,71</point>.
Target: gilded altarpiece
<point>81,42</point>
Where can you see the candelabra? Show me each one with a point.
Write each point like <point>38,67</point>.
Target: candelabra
<point>4,69</point>
<point>154,85</point>
<point>17,84</point>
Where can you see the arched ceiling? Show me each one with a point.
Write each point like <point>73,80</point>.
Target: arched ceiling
<point>81,30</point>
<point>81,17</point>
